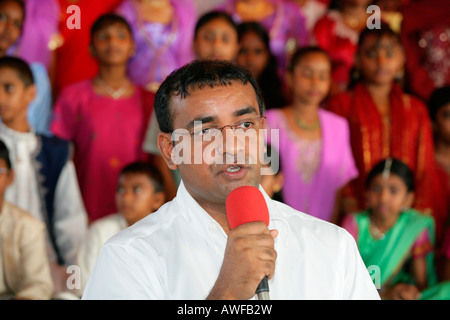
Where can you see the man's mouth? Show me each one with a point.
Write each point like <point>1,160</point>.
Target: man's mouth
<point>233,169</point>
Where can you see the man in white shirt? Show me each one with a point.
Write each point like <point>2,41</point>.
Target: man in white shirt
<point>186,250</point>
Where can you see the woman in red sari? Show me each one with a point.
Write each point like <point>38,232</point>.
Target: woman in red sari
<point>384,121</point>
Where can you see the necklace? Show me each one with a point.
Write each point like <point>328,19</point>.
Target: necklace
<point>115,94</point>
<point>306,126</point>
<point>377,234</point>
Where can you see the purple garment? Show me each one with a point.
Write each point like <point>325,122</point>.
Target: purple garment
<point>40,25</point>
<point>288,22</point>
<point>160,49</point>
<point>336,165</point>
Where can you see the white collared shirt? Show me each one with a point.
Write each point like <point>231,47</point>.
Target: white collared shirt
<point>177,253</point>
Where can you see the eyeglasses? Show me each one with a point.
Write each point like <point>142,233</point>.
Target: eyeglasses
<point>4,170</point>
<point>209,131</point>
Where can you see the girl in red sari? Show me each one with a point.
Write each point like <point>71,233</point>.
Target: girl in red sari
<point>384,121</point>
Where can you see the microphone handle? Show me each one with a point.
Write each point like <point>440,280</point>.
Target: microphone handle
<point>263,289</point>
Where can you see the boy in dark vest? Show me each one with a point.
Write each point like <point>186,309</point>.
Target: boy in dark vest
<point>45,182</point>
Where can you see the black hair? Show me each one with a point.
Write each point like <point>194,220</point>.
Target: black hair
<point>383,31</point>
<point>197,75</point>
<point>20,67</point>
<point>147,169</point>
<point>438,99</point>
<point>269,80</point>
<point>300,53</point>
<point>213,15</point>
<point>397,167</point>
<point>4,154</point>
<point>107,20</point>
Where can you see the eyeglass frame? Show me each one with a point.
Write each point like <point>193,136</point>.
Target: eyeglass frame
<point>233,126</point>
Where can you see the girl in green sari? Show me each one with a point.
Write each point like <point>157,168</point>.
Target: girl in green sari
<point>393,237</point>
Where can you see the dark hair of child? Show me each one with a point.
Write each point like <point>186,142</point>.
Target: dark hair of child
<point>300,53</point>
<point>107,20</point>
<point>438,99</point>
<point>394,166</point>
<point>269,81</point>
<point>213,15</point>
<point>147,169</point>
<point>20,67</point>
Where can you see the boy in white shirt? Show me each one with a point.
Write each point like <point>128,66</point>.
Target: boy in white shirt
<point>139,193</point>
<point>45,183</point>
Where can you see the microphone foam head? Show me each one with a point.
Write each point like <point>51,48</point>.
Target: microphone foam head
<point>246,204</point>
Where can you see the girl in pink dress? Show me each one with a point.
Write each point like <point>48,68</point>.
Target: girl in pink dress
<point>313,144</point>
<point>105,117</point>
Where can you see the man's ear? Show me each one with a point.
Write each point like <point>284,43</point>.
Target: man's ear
<point>166,146</point>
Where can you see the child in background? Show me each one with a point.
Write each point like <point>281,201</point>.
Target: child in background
<point>39,29</point>
<point>12,15</point>
<point>139,193</point>
<point>255,55</point>
<point>439,109</point>
<point>283,21</point>
<point>310,138</point>
<point>72,59</point>
<point>391,235</point>
<point>216,37</point>
<point>24,271</point>
<point>45,182</point>
<point>384,121</point>
<point>104,117</point>
<point>163,33</point>
<point>337,33</point>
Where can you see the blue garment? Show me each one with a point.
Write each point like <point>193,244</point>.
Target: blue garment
<point>40,109</point>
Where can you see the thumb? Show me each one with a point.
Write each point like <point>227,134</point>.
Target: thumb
<point>274,233</point>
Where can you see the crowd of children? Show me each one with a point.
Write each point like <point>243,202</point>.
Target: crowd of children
<point>363,116</point>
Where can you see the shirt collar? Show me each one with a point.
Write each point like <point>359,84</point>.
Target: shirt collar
<point>202,221</point>
<point>16,135</point>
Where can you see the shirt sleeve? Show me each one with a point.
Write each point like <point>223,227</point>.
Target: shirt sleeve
<point>358,283</point>
<point>36,282</point>
<point>118,274</point>
<point>70,214</point>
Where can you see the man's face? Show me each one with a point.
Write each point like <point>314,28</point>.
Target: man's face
<point>210,183</point>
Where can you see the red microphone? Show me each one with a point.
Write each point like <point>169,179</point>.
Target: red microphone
<point>247,204</point>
